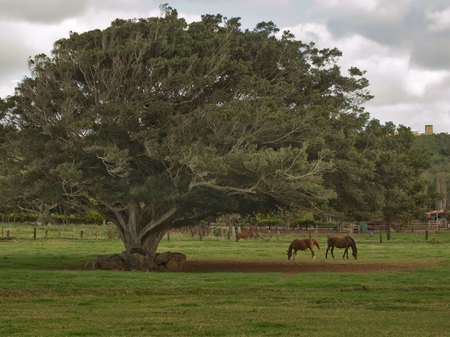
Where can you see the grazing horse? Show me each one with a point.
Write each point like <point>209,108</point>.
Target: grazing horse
<point>342,242</point>
<point>244,235</point>
<point>302,245</point>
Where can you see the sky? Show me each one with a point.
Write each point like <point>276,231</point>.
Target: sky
<point>403,45</point>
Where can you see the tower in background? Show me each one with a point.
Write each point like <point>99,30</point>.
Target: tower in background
<point>428,129</point>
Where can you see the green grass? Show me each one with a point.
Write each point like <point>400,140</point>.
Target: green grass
<point>40,298</point>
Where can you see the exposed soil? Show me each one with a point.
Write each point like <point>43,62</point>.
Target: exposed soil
<point>7,239</point>
<point>293,267</point>
<point>286,267</point>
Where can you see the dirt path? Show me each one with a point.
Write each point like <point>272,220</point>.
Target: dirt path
<point>291,267</point>
<point>286,267</point>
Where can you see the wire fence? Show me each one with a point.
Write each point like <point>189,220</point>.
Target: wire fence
<point>88,232</point>
<point>21,231</point>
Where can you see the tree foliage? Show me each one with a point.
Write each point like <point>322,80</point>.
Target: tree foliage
<point>379,177</point>
<point>437,176</point>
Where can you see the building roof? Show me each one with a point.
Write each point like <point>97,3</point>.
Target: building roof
<point>436,212</point>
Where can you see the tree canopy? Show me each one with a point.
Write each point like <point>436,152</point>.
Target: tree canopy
<point>153,120</point>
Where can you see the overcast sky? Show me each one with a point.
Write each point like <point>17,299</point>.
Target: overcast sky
<point>404,45</point>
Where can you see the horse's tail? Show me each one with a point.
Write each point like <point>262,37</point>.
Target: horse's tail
<point>317,244</point>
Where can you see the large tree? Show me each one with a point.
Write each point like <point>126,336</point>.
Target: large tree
<point>153,120</point>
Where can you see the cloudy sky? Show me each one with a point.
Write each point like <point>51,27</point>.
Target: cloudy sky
<point>404,45</point>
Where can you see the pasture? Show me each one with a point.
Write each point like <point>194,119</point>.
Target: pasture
<point>44,292</point>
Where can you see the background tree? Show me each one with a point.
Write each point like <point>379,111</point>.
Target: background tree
<point>153,120</point>
<point>378,177</point>
<point>437,175</point>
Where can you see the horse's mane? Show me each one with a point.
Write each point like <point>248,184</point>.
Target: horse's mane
<point>353,243</point>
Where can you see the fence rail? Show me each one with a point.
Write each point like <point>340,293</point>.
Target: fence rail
<point>108,231</point>
<point>23,231</point>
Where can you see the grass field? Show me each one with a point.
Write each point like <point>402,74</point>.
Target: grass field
<point>40,297</point>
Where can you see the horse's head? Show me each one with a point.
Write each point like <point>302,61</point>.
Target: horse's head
<point>289,253</point>
<point>354,249</point>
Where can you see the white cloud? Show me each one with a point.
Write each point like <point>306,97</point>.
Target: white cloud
<point>384,8</point>
<point>7,86</point>
<point>43,10</point>
<point>418,81</point>
<point>311,31</point>
<point>366,5</point>
<point>415,115</point>
<point>392,76</point>
<point>439,20</point>
<point>383,64</point>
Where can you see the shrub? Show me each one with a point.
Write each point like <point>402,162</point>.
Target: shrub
<point>219,230</point>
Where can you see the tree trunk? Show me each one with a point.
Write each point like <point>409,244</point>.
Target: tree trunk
<point>146,245</point>
<point>153,240</point>
<point>141,237</point>
<point>138,233</point>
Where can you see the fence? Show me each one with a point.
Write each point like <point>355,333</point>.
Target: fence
<point>415,226</point>
<point>108,231</point>
<point>88,232</point>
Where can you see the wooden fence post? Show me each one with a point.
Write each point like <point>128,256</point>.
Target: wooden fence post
<point>168,236</point>
<point>46,233</point>
<point>81,234</point>
<point>381,237</point>
<point>34,233</point>
<point>278,235</point>
<point>59,233</point>
<point>426,235</point>
<point>7,234</point>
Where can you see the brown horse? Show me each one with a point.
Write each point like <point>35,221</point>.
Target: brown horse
<point>342,242</point>
<point>244,235</point>
<point>302,245</point>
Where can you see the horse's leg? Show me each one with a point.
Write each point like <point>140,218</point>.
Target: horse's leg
<point>332,251</point>
<point>313,257</point>
<point>295,254</point>
<point>345,252</point>
<point>326,253</point>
